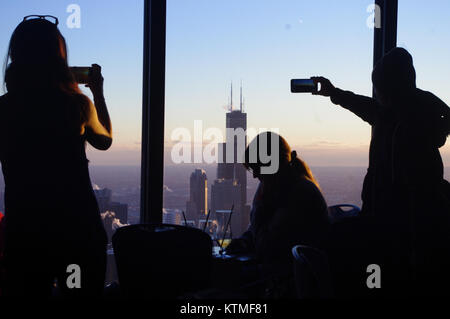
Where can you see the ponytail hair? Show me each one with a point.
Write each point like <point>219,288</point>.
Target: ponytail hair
<point>300,168</point>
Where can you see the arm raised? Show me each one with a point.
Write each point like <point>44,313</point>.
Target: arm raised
<point>364,107</point>
<point>98,126</point>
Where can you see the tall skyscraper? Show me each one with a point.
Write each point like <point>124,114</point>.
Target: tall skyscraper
<point>231,173</point>
<point>197,206</point>
<point>226,194</point>
<point>224,170</point>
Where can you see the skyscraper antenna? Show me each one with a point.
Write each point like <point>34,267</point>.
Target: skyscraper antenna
<point>240,106</point>
<point>231,97</point>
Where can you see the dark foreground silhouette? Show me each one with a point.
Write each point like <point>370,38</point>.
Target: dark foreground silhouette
<point>404,191</point>
<point>288,209</point>
<point>52,218</point>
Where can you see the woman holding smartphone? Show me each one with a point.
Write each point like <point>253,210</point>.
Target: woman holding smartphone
<point>53,224</point>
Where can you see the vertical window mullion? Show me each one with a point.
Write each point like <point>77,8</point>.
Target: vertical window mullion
<point>153,111</point>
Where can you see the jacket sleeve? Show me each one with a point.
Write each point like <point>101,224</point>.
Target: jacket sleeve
<point>364,107</point>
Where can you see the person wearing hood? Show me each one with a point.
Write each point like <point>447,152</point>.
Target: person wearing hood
<point>404,187</point>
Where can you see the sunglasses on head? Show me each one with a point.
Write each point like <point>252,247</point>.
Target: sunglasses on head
<point>49,18</point>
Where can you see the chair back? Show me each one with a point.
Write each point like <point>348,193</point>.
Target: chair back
<point>339,212</point>
<point>311,272</point>
<point>354,243</point>
<point>162,261</point>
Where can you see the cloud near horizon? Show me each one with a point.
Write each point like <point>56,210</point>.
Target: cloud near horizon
<point>319,153</point>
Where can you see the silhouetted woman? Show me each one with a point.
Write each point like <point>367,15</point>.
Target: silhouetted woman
<point>288,208</point>
<point>52,217</point>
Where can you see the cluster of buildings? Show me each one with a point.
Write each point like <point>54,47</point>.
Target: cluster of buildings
<point>228,198</point>
<point>114,214</point>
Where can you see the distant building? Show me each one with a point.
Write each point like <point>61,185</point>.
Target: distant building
<point>230,188</point>
<point>197,206</point>
<point>105,203</point>
<point>103,196</point>
<point>171,217</point>
<point>236,119</point>
<point>224,170</point>
<point>111,223</point>
<point>225,194</point>
<point>121,211</point>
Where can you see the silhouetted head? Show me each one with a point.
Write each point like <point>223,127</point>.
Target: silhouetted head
<point>37,57</point>
<point>394,75</point>
<point>269,156</point>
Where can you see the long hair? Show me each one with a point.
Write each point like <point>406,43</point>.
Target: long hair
<point>37,61</point>
<point>289,162</point>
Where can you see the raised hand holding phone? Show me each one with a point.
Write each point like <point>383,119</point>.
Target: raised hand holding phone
<point>95,80</point>
<point>303,86</point>
<point>326,87</point>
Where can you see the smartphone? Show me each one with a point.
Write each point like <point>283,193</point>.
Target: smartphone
<point>303,86</point>
<point>81,73</point>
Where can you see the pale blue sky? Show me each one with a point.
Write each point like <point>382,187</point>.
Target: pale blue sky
<point>266,43</point>
<point>424,30</point>
<point>111,35</point>
<point>263,43</point>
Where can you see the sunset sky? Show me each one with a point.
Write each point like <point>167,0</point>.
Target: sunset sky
<point>264,44</point>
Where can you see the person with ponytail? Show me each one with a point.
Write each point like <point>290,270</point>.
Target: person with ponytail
<point>52,218</point>
<point>288,208</point>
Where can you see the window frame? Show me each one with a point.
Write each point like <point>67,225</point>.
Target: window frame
<point>153,96</point>
<point>385,37</point>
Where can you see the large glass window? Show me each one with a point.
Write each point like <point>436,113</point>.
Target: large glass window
<point>424,30</point>
<point>261,45</point>
<point>110,34</point>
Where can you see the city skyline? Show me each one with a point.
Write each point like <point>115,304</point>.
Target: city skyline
<point>261,43</point>
<point>244,189</point>
<point>228,191</point>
